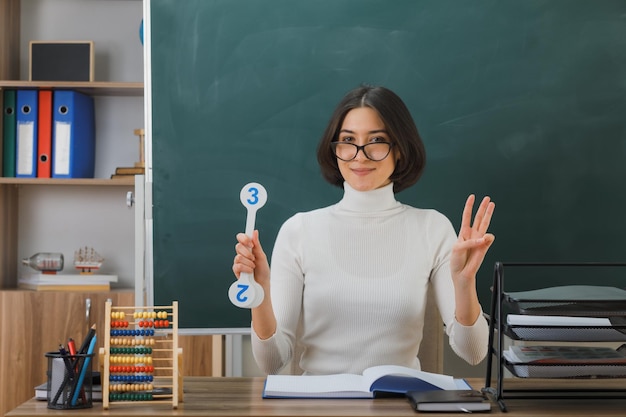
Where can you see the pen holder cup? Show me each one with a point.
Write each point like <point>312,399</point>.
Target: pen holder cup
<point>69,381</point>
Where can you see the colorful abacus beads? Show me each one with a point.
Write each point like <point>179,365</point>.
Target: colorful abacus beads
<point>131,387</point>
<point>126,394</point>
<point>150,315</point>
<point>131,359</point>
<point>131,378</point>
<point>118,315</point>
<point>131,343</point>
<point>155,323</point>
<point>161,323</point>
<point>147,396</point>
<point>131,350</point>
<point>128,332</point>
<point>131,369</point>
<point>123,341</point>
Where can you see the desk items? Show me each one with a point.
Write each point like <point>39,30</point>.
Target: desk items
<point>246,292</point>
<point>461,401</point>
<point>141,359</point>
<point>70,375</point>
<point>569,313</point>
<point>241,397</point>
<point>375,381</point>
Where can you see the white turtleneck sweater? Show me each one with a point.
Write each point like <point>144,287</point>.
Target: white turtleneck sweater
<point>350,280</point>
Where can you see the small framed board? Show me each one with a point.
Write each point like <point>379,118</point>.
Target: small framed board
<point>61,61</point>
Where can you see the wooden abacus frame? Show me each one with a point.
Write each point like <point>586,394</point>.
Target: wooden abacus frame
<point>168,335</point>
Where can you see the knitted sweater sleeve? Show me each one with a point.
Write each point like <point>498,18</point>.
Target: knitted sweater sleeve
<point>469,342</point>
<point>287,284</point>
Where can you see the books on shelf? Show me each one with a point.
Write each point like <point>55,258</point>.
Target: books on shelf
<point>66,282</point>
<point>129,170</point>
<point>565,361</point>
<point>122,172</point>
<point>375,381</point>
<point>462,401</point>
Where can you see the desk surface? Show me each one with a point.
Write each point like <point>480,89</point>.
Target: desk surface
<point>207,396</point>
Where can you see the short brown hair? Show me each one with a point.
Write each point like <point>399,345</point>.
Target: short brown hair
<point>398,122</point>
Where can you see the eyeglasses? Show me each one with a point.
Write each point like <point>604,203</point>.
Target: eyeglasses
<point>375,151</point>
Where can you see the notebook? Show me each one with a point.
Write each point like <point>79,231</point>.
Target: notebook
<point>462,401</point>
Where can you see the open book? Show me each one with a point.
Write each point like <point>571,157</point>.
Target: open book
<point>377,380</point>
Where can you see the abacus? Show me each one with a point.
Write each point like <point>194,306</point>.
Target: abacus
<point>141,357</point>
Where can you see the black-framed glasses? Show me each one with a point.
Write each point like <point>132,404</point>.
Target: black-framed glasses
<point>375,151</point>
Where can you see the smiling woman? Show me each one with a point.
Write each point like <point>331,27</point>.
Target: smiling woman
<point>358,272</point>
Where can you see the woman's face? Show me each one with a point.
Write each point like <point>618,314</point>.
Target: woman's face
<point>362,126</point>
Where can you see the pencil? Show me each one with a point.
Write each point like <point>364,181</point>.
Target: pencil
<point>90,335</point>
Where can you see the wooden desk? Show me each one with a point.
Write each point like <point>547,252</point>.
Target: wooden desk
<point>214,396</point>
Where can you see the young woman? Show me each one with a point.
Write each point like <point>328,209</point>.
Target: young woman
<point>348,282</point>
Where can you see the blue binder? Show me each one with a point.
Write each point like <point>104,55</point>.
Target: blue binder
<point>73,137</point>
<point>26,134</point>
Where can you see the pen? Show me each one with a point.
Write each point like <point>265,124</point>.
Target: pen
<point>71,346</point>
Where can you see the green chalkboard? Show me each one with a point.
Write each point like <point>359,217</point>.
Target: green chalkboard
<point>521,100</point>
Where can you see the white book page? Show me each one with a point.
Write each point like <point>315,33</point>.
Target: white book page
<point>311,384</point>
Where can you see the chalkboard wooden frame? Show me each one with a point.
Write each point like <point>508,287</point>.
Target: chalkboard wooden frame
<point>523,101</point>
